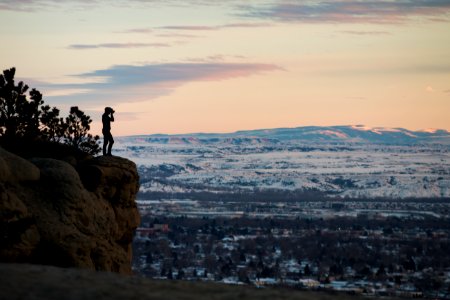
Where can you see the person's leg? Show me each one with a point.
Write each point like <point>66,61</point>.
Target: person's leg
<point>111,142</point>
<point>105,144</point>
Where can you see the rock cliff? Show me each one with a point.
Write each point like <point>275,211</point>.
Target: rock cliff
<point>77,214</point>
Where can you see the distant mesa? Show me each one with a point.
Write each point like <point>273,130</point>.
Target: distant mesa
<point>309,134</point>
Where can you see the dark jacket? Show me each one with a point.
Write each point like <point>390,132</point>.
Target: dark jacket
<point>106,120</point>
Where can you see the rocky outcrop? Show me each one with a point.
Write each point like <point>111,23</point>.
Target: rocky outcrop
<point>71,215</point>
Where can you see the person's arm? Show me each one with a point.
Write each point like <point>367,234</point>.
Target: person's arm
<point>112,117</point>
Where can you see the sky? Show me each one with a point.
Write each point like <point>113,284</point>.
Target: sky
<point>181,66</point>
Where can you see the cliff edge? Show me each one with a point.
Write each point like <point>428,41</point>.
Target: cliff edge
<point>77,214</point>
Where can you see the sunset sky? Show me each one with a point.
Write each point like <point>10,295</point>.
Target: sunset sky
<point>173,66</point>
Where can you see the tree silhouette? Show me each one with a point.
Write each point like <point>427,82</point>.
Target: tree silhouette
<point>30,119</point>
<point>52,126</point>
<point>18,116</point>
<point>77,133</point>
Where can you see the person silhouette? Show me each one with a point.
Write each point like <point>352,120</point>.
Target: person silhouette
<point>108,140</point>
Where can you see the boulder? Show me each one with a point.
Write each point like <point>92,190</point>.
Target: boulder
<point>15,169</point>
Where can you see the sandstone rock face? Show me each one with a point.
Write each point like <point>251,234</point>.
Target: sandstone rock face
<point>53,213</point>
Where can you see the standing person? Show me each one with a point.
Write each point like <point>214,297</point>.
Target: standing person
<point>108,140</point>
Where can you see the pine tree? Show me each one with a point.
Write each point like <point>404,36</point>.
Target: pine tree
<point>77,133</point>
<point>19,117</point>
<point>30,119</point>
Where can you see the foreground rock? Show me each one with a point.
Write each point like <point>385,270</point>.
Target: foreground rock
<point>36,282</point>
<point>71,215</point>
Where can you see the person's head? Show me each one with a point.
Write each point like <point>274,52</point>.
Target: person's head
<point>109,110</point>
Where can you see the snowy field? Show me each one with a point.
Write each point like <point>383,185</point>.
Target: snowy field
<point>349,170</point>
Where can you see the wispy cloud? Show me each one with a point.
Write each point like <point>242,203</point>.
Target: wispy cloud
<point>186,31</point>
<point>348,11</point>
<point>159,33</point>
<point>315,11</point>
<point>137,30</point>
<point>124,83</point>
<point>215,58</point>
<point>215,27</point>
<point>176,35</point>
<point>39,5</point>
<point>116,45</point>
<point>356,32</point>
<point>443,68</point>
<point>188,27</point>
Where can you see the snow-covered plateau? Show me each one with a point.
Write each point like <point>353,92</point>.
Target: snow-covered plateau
<point>347,161</point>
